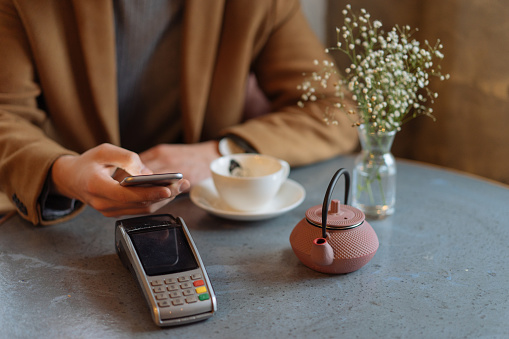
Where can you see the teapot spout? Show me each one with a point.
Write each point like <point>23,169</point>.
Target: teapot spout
<point>321,252</point>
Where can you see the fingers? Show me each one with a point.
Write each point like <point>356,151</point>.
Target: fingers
<point>183,186</point>
<point>147,209</point>
<point>127,205</point>
<point>135,200</point>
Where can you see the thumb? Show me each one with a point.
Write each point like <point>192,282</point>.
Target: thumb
<point>116,157</point>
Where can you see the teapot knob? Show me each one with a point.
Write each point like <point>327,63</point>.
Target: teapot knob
<point>335,206</point>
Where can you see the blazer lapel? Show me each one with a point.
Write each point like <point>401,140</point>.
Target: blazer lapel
<point>201,31</point>
<point>97,38</point>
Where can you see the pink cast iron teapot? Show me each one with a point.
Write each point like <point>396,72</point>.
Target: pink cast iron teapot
<point>335,239</point>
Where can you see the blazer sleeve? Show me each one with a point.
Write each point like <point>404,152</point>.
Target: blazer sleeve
<point>26,152</point>
<point>296,134</point>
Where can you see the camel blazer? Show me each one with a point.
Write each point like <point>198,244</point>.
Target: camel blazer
<point>58,84</point>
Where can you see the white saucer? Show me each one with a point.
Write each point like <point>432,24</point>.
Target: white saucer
<point>290,195</point>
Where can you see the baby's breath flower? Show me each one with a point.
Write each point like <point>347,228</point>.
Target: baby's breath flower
<point>388,75</point>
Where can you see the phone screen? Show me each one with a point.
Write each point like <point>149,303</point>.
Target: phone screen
<point>163,251</point>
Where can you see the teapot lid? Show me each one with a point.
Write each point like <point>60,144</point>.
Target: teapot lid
<point>339,217</point>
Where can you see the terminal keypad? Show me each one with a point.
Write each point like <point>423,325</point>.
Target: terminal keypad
<point>179,291</point>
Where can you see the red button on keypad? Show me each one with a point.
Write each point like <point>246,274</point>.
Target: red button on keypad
<point>198,283</point>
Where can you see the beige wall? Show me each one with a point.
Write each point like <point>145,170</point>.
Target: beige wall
<point>316,13</point>
<point>472,128</point>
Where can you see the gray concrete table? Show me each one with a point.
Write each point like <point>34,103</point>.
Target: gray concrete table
<point>441,271</point>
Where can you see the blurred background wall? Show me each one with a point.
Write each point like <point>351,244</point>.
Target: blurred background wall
<point>471,132</point>
<point>316,13</point>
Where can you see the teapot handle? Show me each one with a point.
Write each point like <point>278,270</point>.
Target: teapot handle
<point>328,196</point>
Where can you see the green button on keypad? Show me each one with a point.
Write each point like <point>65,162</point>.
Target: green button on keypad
<point>204,296</point>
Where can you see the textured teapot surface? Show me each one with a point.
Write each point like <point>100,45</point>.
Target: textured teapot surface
<point>334,238</point>
<point>352,248</point>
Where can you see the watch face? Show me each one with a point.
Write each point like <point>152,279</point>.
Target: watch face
<point>227,147</point>
<point>230,145</point>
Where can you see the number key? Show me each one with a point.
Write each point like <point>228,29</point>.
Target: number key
<point>159,289</point>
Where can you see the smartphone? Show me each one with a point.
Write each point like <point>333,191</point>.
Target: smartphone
<point>165,263</point>
<point>163,179</point>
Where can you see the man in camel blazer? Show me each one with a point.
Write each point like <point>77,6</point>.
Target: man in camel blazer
<point>58,97</point>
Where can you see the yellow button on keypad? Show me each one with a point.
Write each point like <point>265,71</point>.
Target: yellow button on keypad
<point>201,289</point>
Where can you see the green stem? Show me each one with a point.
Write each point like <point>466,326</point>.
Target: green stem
<point>381,187</point>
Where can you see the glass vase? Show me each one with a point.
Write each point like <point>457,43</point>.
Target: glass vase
<point>374,174</point>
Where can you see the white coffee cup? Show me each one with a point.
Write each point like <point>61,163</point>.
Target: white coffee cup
<point>258,183</point>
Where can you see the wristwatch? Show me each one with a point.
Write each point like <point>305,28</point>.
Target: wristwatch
<point>232,144</point>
